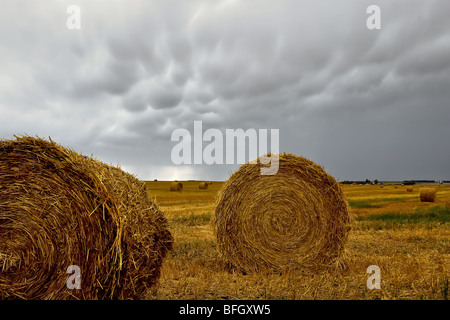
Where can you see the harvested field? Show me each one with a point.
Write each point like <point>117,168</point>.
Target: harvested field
<point>409,240</point>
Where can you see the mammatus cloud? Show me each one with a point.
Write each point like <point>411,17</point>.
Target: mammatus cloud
<point>363,103</point>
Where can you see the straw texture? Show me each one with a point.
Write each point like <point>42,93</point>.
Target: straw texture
<point>297,218</point>
<point>427,194</point>
<point>176,186</point>
<point>59,208</point>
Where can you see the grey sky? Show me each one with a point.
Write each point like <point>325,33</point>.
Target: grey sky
<point>362,103</point>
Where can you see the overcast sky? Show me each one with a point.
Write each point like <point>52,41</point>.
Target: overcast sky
<point>362,103</point>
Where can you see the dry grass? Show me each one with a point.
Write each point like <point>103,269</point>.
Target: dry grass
<point>59,208</point>
<point>414,257</point>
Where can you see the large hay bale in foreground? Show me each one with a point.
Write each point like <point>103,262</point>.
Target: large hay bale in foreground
<point>203,185</point>
<point>176,186</point>
<point>298,217</point>
<point>60,208</point>
<point>427,194</point>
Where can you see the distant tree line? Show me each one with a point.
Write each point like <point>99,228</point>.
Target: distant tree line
<point>405,182</point>
<point>367,181</point>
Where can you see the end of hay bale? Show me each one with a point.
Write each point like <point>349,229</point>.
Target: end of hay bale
<point>297,218</point>
<point>427,194</point>
<point>176,186</point>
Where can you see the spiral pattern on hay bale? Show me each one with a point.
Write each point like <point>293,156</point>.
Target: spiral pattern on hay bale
<point>296,218</point>
<point>58,209</point>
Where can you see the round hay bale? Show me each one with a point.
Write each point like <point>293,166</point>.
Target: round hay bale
<point>427,194</point>
<point>176,186</point>
<point>203,185</point>
<point>298,217</point>
<point>409,189</point>
<point>62,209</point>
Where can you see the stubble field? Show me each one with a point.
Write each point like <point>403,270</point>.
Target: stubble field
<point>407,239</point>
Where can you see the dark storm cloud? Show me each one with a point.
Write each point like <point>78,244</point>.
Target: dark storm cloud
<point>365,104</point>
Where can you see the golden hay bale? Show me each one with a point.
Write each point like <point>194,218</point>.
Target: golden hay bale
<point>176,186</point>
<point>298,217</point>
<point>409,189</point>
<point>203,185</point>
<point>60,208</point>
<point>427,194</point>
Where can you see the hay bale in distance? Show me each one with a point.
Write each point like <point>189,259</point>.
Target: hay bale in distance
<point>203,185</point>
<point>61,208</point>
<point>298,217</point>
<point>409,189</point>
<point>176,186</point>
<point>427,194</point>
